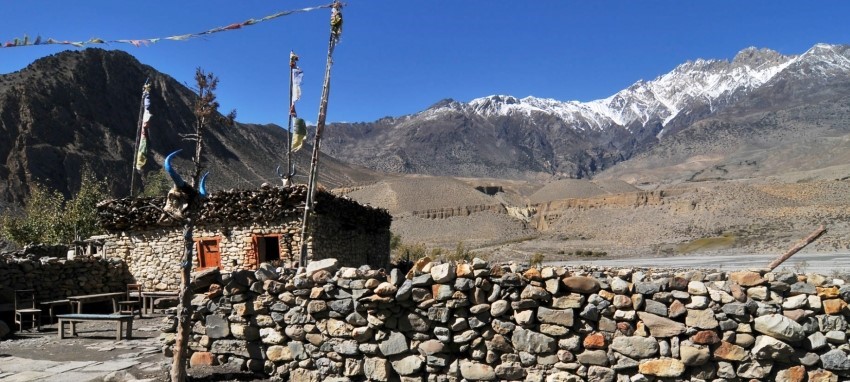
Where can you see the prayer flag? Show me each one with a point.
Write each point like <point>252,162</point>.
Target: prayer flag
<point>297,76</point>
<point>141,155</point>
<point>299,134</point>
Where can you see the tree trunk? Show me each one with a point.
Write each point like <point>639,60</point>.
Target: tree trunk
<point>797,247</point>
<point>184,309</point>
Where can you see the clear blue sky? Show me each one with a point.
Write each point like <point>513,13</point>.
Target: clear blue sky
<point>398,57</point>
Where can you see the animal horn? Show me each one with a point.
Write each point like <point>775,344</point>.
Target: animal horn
<point>202,185</point>
<point>279,175</point>
<point>175,177</point>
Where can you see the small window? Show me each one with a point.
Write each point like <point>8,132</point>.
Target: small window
<point>268,248</point>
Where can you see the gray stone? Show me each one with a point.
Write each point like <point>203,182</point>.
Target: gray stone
<point>394,344</point>
<point>499,307</point>
<point>600,374</point>
<point>655,307</point>
<point>779,326</point>
<point>532,342</point>
<point>556,317</point>
<point>647,288</point>
<point>752,370</point>
<point>816,341</point>
<point>593,357</point>
<point>619,286</point>
<point>570,301</point>
<point>802,288</point>
<point>404,291</point>
<point>693,355</point>
<point>590,312</point>
<point>239,348</point>
<point>510,370</point>
<point>835,359</point>
<point>635,347</point>
<point>836,336</point>
<point>562,376</point>
<point>217,327</point>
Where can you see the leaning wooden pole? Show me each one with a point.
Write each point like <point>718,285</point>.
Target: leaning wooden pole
<point>336,30</point>
<point>797,247</point>
<point>135,154</point>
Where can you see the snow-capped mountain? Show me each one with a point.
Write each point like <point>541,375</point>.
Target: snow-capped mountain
<point>506,136</point>
<point>712,82</point>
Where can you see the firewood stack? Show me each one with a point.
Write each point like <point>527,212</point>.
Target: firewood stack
<point>267,204</point>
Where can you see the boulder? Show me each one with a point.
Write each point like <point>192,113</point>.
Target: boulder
<point>780,327</point>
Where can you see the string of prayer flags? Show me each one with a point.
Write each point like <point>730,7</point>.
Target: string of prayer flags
<point>25,41</point>
<point>299,135</point>
<point>141,155</point>
<point>336,21</point>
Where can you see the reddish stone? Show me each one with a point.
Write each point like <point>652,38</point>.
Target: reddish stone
<point>625,328</point>
<point>595,341</point>
<point>730,352</point>
<point>202,358</point>
<point>738,292</point>
<point>792,374</point>
<point>214,291</point>
<point>532,274</point>
<point>834,306</point>
<point>795,314</point>
<point>705,337</point>
<point>679,283</point>
<point>676,309</point>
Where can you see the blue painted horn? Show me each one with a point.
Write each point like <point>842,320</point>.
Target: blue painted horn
<point>175,177</point>
<point>279,174</point>
<point>202,185</point>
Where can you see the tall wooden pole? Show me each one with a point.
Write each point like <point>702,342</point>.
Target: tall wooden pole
<point>289,168</point>
<point>336,29</point>
<point>138,138</point>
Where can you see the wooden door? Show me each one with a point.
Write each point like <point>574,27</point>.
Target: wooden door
<point>209,255</point>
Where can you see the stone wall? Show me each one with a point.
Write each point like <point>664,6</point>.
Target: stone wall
<point>452,322</point>
<point>54,279</point>
<point>152,246</point>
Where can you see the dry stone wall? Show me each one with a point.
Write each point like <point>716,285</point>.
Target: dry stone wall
<point>54,279</point>
<point>477,322</point>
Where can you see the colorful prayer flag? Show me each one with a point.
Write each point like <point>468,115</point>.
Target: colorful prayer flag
<point>299,134</point>
<point>141,155</point>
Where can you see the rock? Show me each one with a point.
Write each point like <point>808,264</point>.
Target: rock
<point>660,326</point>
<point>581,284</point>
<point>535,293</point>
<point>663,367</point>
<point>386,289</point>
<point>600,374</point>
<point>396,343</point>
<point>593,357</point>
<point>570,301</point>
<point>705,337</point>
<point>835,359</point>
<point>217,327</point>
<point>532,342</point>
<point>822,376</point>
<point>510,370</point>
<point>556,317</point>
<point>753,370</point>
<point>779,326</point>
<point>330,265</point>
<point>377,369</point>
<point>694,356</point>
<point>834,306</point>
<point>202,358</point>
<point>647,288</point>
<point>561,376</point>
<point>408,365</point>
<point>277,353</point>
<point>655,307</point>
<point>703,319</point>
<point>499,307</point>
<point>746,278</point>
<point>635,347</point>
<point>730,352</point>
<point>791,374</point>
<point>444,273</point>
<point>697,288</point>
<point>769,348</point>
<point>595,341</point>
<point>475,371</point>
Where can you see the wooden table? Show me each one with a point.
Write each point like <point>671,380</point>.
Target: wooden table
<point>119,319</point>
<point>114,296</point>
<point>148,298</point>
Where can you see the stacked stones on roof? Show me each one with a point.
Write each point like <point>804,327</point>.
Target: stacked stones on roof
<point>448,322</point>
<point>237,206</point>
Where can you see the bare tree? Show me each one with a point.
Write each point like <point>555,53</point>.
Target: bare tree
<point>183,204</point>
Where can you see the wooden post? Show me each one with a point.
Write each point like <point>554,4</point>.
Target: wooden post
<point>184,309</point>
<point>797,247</point>
<point>320,127</point>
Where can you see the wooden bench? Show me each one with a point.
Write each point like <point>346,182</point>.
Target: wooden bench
<point>80,300</point>
<point>119,319</point>
<point>51,304</point>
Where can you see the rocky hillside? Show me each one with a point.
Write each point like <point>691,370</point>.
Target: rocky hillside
<point>764,96</point>
<point>80,108</point>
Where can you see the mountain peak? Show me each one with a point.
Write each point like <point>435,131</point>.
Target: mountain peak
<point>755,57</point>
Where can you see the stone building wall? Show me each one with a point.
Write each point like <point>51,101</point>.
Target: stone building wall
<point>54,279</point>
<point>473,322</point>
<point>152,244</point>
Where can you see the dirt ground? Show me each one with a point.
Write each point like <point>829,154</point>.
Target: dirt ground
<point>96,342</point>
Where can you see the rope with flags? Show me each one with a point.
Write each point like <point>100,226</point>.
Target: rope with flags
<point>26,41</point>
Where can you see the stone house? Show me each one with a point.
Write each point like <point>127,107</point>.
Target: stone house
<point>240,229</point>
